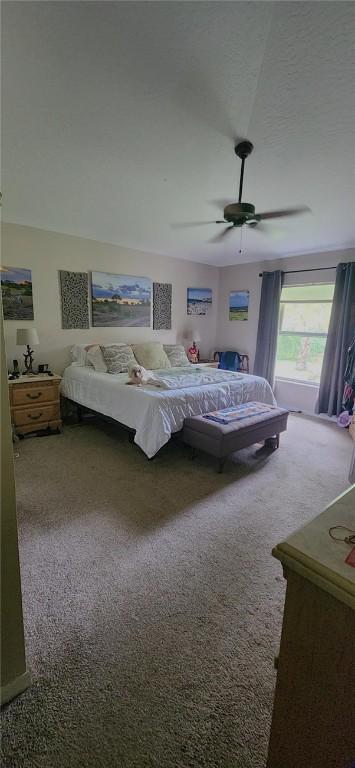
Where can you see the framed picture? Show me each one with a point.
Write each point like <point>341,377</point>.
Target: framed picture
<point>16,288</point>
<point>120,300</point>
<point>199,300</point>
<point>238,305</point>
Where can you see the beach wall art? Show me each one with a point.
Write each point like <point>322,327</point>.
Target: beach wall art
<point>199,300</point>
<point>120,300</point>
<point>238,305</point>
<point>16,288</point>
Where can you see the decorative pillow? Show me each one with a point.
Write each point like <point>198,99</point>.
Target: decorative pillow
<point>151,355</point>
<point>95,358</point>
<point>118,358</point>
<point>78,354</point>
<point>176,354</point>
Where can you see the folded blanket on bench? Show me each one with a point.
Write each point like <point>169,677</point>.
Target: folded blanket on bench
<point>238,412</point>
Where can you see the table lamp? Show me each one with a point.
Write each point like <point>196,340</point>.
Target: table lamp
<point>29,337</point>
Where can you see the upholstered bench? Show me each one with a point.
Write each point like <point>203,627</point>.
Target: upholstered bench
<point>221,439</point>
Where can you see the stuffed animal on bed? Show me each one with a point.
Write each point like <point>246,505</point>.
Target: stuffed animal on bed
<point>138,375</point>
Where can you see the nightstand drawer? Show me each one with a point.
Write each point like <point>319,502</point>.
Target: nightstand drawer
<point>32,414</point>
<point>38,394</point>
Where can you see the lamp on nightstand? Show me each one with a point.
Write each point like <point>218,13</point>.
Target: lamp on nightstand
<point>28,337</point>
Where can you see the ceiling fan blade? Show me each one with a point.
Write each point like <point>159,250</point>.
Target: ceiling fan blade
<point>221,235</point>
<point>186,224</point>
<point>280,214</point>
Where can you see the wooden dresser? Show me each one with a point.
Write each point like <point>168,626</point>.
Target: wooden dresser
<point>35,404</point>
<point>313,724</point>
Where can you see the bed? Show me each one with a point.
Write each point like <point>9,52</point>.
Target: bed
<point>154,412</point>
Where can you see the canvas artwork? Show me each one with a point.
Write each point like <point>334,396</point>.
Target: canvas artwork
<point>16,288</point>
<point>238,305</point>
<point>199,300</point>
<point>74,295</point>
<point>120,300</point>
<point>162,306</point>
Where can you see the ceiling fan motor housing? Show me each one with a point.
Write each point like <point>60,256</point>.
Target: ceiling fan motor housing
<point>240,213</point>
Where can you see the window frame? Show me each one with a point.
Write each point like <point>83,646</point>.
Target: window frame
<point>302,334</point>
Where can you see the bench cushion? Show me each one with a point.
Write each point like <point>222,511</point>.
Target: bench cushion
<point>223,439</point>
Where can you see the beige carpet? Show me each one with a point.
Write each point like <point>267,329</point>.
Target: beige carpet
<point>152,604</point>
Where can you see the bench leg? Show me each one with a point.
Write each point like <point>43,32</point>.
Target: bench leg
<point>221,463</point>
<point>193,453</point>
<point>272,442</point>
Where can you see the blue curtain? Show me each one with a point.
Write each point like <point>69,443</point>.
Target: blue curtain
<point>268,327</point>
<point>340,334</point>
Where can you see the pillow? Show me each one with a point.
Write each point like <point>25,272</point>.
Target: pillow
<point>118,358</point>
<point>151,355</point>
<point>176,354</point>
<point>78,354</point>
<point>95,358</point>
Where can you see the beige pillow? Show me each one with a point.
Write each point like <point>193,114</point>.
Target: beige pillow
<point>118,358</point>
<point>151,355</point>
<point>95,358</point>
<point>176,354</point>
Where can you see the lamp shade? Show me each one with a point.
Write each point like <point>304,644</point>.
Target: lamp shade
<point>27,336</point>
<point>196,335</point>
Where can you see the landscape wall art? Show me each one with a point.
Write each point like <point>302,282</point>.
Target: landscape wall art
<point>238,305</point>
<point>199,300</point>
<point>120,300</point>
<point>16,288</point>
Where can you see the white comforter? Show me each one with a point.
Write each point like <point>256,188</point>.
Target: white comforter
<point>153,412</point>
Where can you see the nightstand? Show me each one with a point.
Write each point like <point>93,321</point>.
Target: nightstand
<point>35,404</point>
<point>207,363</point>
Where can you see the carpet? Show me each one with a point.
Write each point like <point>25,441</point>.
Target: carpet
<point>152,604</point>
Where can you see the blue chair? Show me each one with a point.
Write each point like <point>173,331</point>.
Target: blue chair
<point>232,361</point>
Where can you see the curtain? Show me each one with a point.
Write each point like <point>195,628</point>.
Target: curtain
<point>340,334</point>
<point>268,327</point>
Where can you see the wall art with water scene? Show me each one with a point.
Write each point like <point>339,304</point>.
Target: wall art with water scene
<point>238,305</point>
<point>120,300</point>
<point>16,288</point>
<point>199,300</point>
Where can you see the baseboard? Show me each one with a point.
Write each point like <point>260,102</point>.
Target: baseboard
<point>15,687</point>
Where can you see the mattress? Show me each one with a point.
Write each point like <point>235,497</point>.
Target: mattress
<point>156,413</point>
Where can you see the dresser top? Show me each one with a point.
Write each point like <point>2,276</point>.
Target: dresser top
<point>313,553</point>
<point>40,377</point>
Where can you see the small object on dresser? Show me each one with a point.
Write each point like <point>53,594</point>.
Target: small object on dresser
<point>28,337</point>
<point>15,373</point>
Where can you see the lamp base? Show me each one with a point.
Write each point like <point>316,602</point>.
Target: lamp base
<point>29,361</point>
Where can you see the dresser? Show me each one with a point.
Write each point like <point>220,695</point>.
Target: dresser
<point>35,403</point>
<point>313,723</point>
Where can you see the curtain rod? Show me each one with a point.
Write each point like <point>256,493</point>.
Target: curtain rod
<point>295,271</point>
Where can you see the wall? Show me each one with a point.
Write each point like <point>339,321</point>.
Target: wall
<point>46,252</point>
<point>233,334</point>
<point>14,677</point>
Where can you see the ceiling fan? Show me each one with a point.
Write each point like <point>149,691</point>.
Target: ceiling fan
<point>238,214</point>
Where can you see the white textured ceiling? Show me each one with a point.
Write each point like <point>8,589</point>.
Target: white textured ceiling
<point>119,120</point>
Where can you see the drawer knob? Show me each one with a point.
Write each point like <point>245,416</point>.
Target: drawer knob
<point>33,397</point>
<point>37,416</point>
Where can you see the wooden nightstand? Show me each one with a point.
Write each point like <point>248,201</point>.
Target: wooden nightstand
<point>34,402</point>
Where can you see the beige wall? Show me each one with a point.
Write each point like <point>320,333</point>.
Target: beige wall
<point>46,252</point>
<point>240,335</point>
<point>14,677</point>
<point>233,334</point>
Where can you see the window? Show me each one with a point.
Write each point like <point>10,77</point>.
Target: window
<point>304,321</point>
